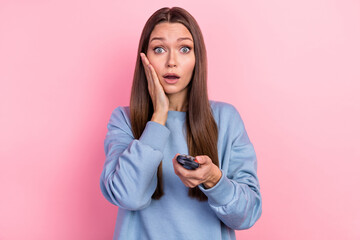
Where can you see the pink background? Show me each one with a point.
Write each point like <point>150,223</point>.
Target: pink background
<point>290,67</point>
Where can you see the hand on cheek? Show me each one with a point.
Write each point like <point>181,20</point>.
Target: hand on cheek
<point>207,174</point>
<point>159,99</point>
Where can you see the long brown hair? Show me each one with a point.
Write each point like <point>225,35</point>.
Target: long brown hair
<point>202,132</point>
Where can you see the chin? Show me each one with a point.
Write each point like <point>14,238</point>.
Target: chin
<point>171,89</point>
<point>174,90</point>
<point>170,92</point>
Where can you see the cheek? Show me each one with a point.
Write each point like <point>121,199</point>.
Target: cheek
<point>189,63</point>
<point>158,71</point>
<point>189,67</point>
<point>156,64</point>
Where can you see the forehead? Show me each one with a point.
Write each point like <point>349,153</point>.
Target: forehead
<point>170,31</point>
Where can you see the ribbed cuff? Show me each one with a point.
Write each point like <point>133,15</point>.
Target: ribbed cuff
<point>220,194</point>
<point>155,135</point>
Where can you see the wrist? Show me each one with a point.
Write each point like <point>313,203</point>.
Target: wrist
<point>159,117</point>
<point>214,178</point>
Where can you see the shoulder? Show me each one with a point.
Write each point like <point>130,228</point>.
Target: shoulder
<point>120,118</point>
<point>223,109</point>
<point>120,113</point>
<point>226,116</point>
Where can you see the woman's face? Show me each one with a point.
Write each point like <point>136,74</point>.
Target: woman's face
<point>171,51</point>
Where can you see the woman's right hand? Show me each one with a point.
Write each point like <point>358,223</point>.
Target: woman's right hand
<point>159,99</point>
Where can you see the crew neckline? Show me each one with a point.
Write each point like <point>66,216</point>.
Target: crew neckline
<point>176,114</point>
<point>176,111</point>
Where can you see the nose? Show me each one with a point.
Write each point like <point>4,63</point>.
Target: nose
<point>171,59</point>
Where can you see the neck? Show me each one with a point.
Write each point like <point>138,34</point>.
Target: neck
<point>178,101</point>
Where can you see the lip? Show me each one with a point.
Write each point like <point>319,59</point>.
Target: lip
<point>171,75</point>
<point>171,80</point>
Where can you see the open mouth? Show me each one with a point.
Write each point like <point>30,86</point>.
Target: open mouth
<point>171,76</point>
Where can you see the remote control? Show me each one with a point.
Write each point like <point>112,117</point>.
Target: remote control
<point>187,161</point>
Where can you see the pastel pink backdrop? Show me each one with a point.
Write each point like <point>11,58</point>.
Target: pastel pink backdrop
<point>290,67</point>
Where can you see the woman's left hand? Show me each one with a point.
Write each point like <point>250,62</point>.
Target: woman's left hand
<point>207,173</point>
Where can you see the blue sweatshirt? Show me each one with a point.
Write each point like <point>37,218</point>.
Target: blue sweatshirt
<point>129,179</point>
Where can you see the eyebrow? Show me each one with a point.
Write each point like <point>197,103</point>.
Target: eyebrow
<point>179,39</point>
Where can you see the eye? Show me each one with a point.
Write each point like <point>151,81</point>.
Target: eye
<point>156,50</point>
<point>187,49</point>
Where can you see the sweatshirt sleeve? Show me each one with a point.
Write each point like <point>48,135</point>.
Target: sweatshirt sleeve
<point>129,175</point>
<point>236,198</point>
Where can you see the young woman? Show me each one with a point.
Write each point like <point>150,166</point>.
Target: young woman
<point>170,114</point>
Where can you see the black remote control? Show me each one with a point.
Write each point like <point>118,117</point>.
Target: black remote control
<point>187,161</point>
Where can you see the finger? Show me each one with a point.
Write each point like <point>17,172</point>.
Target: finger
<point>185,173</point>
<point>144,58</point>
<point>202,159</point>
<point>150,77</point>
<point>151,69</point>
<point>176,165</point>
<point>190,183</point>
<point>145,63</point>
<point>154,75</point>
<point>148,73</point>
<point>174,158</point>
